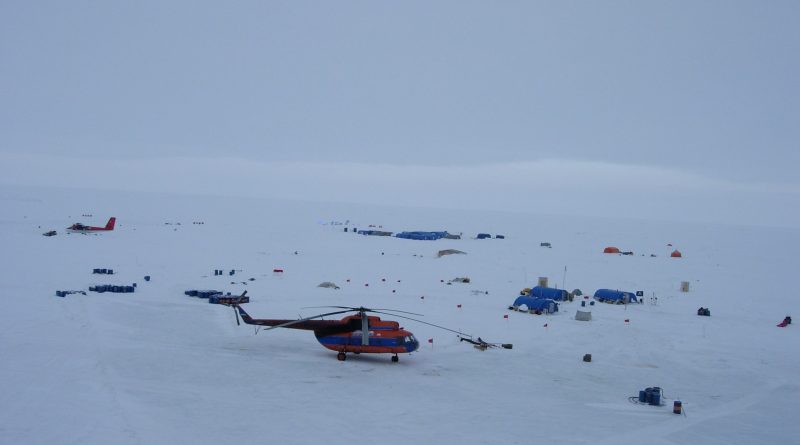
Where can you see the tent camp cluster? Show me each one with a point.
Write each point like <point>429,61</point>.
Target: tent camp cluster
<point>544,300</point>
<point>540,300</point>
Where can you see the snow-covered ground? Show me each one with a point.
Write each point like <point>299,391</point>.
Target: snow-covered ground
<point>157,366</point>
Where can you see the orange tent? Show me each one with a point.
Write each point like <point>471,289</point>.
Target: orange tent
<point>610,250</point>
<point>676,254</point>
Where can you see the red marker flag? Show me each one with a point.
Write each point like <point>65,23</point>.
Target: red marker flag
<point>505,316</point>
<point>430,340</point>
<point>545,325</point>
<point>627,320</point>
<point>458,306</point>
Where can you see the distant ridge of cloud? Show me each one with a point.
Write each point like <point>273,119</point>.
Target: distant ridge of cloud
<point>550,186</point>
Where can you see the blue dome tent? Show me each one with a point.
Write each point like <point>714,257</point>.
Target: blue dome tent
<point>615,296</point>
<point>536,304</point>
<point>549,293</point>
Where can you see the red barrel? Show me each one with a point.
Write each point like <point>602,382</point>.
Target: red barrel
<point>676,407</point>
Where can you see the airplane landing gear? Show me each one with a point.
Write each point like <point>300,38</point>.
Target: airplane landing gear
<point>341,356</point>
<point>395,358</point>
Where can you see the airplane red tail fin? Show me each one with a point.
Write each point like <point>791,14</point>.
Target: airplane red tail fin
<point>110,223</point>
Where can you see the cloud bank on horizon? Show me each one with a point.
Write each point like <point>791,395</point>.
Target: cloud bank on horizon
<point>553,186</point>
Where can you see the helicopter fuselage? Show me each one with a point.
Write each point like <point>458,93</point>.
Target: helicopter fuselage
<point>385,337</point>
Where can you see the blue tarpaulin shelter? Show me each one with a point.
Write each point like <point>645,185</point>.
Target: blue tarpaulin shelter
<point>548,292</point>
<point>536,304</point>
<point>484,236</point>
<point>615,296</point>
<point>430,236</point>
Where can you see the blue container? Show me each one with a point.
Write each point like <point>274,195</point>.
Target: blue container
<point>147,278</point>
<point>642,397</point>
<point>656,400</point>
<point>103,270</point>
<point>95,270</point>
<point>583,304</point>
<point>100,289</point>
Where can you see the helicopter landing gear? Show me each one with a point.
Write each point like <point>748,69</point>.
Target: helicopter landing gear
<point>341,356</point>
<point>395,358</point>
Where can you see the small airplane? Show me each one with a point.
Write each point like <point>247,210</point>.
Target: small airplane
<point>357,333</point>
<point>80,228</point>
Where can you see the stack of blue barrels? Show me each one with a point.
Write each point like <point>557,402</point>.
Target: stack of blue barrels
<point>651,396</point>
<point>112,288</point>
<point>228,299</point>
<point>103,271</point>
<point>64,293</point>
<point>202,293</point>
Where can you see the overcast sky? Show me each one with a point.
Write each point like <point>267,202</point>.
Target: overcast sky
<point>700,92</point>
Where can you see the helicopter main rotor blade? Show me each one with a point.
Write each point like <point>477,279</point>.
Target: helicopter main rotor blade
<point>425,322</point>
<point>283,325</point>
<point>396,310</point>
<point>365,309</point>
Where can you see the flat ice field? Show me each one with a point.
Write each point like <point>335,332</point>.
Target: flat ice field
<point>157,366</point>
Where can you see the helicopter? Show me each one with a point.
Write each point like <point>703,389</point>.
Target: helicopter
<point>358,333</point>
